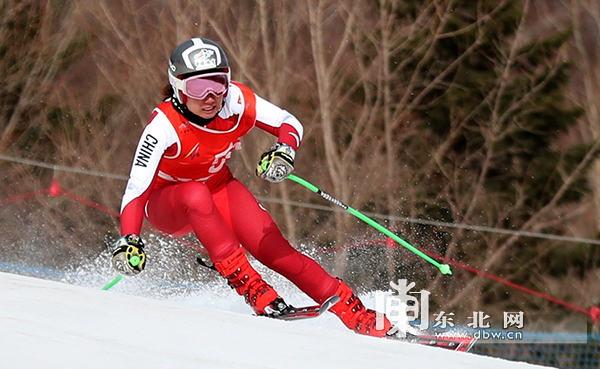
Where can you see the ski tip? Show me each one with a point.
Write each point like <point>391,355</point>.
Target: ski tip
<point>332,300</point>
<point>329,303</point>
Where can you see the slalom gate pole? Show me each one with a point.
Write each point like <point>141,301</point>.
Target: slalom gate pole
<point>115,281</point>
<point>444,268</point>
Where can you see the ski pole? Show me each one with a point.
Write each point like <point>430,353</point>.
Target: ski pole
<point>115,281</point>
<point>444,268</point>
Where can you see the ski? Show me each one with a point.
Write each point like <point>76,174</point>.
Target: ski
<point>463,344</point>
<point>306,312</point>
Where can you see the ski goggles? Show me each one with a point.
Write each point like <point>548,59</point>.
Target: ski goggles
<point>199,87</point>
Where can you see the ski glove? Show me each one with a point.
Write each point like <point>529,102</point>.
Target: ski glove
<point>128,256</point>
<point>277,163</point>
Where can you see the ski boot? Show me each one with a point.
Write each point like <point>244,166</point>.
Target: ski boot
<point>356,317</point>
<point>242,277</point>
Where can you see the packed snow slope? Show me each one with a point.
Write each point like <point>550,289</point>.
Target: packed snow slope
<point>48,324</point>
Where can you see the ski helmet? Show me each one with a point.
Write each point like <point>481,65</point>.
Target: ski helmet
<point>194,57</point>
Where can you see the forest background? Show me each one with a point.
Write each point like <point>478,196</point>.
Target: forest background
<point>470,128</point>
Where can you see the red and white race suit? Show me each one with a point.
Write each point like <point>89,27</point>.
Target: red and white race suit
<point>180,182</point>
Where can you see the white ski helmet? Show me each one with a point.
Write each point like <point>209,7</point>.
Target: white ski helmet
<point>194,57</point>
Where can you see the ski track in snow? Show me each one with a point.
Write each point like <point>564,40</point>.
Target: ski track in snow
<point>49,324</point>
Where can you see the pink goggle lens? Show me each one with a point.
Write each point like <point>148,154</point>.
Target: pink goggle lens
<point>198,87</point>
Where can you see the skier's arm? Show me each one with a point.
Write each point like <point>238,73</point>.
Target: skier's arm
<point>157,137</point>
<point>278,162</point>
<point>279,122</point>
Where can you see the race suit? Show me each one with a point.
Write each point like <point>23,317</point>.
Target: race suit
<point>181,183</point>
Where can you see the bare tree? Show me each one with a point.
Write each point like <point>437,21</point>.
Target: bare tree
<point>411,109</point>
<point>586,25</point>
<point>34,66</point>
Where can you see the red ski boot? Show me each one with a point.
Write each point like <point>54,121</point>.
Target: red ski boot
<point>354,315</point>
<point>248,283</point>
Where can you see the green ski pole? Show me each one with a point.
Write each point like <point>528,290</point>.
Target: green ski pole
<point>115,281</point>
<point>444,268</point>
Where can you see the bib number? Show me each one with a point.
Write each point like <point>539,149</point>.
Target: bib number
<point>222,157</point>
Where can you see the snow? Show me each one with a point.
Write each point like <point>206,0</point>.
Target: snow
<point>49,324</point>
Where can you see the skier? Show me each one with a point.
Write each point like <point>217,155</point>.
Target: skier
<point>180,182</point>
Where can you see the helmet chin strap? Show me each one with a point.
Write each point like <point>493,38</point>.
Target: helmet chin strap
<point>183,110</point>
